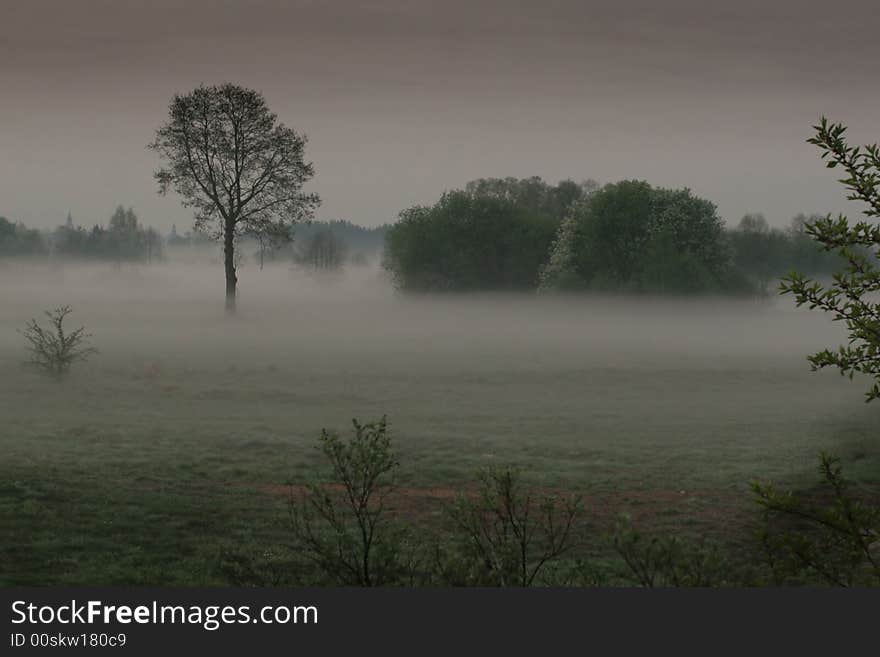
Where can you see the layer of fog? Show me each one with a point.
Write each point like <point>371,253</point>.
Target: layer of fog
<point>175,311</point>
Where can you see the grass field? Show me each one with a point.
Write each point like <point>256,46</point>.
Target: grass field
<point>172,444</point>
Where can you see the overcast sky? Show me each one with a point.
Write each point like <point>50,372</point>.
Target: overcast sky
<point>403,99</point>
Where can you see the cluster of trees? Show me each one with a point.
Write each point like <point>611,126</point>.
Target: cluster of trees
<point>534,194</point>
<point>468,242</point>
<point>321,245</point>
<point>627,236</point>
<point>124,238</point>
<point>494,234</point>
<point>318,245</point>
<point>328,245</point>
<point>767,253</point>
<point>189,239</point>
<point>635,237</point>
<point>16,239</point>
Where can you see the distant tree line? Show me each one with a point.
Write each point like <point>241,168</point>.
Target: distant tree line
<point>767,253</point>
<point>504,234</point>
<point>320,245</point>
<point>124,238</point>
<point>17,240</point>
<point>511,234</point>
<point>329,245</point>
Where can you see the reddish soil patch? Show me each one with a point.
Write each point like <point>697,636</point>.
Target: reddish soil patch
<point>720,510</point>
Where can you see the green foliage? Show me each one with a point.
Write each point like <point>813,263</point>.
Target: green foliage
<point>467,242</point>
<point>507,535</point>
<point>630,236</point>
<point>558,273</point>
<point>343,526</point>
<point>832,536</point>
<point>533,194</point>
<point>668,561</point>
<point>53,350</point>
<point>667,268</point>
<point>625,237</point>
<point>850,296</point>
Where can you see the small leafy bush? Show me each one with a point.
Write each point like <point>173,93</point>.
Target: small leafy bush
<point>344,526</point>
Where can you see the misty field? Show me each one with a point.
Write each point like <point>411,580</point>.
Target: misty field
<point>174,444</point>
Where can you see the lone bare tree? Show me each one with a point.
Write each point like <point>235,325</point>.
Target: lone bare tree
<point>236,165</point>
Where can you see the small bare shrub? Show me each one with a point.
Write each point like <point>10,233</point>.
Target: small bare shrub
<point>51,349</point>
<point>508,535</point>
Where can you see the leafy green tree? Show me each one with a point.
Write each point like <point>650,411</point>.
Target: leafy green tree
<point>230,159</point>
<point>613,229</point>
<point>631,236</point>
<point>534,194</point>
<point>468,242</point>
<point>559,272</point>
<point>850,296</point>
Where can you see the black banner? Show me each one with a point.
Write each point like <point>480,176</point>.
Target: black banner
<point>581,621</point>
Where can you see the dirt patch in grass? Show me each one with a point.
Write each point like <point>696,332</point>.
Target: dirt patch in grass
<point>724,511</point>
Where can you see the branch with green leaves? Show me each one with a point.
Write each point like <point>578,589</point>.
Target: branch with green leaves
<point>850,297</point>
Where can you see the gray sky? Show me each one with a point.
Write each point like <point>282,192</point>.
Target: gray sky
<point>402,99</point>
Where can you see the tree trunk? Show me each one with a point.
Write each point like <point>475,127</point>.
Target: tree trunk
<point>229,261</point>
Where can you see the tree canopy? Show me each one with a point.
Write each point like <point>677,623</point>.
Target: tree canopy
<point>630,236</point>
<point>466,242</point>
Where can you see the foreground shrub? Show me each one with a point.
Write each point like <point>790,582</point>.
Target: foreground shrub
<point>668,561</point>
<point>52,350</point>
<point>507,535</point>
<point>344,527</point>
<point>836,542</point>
